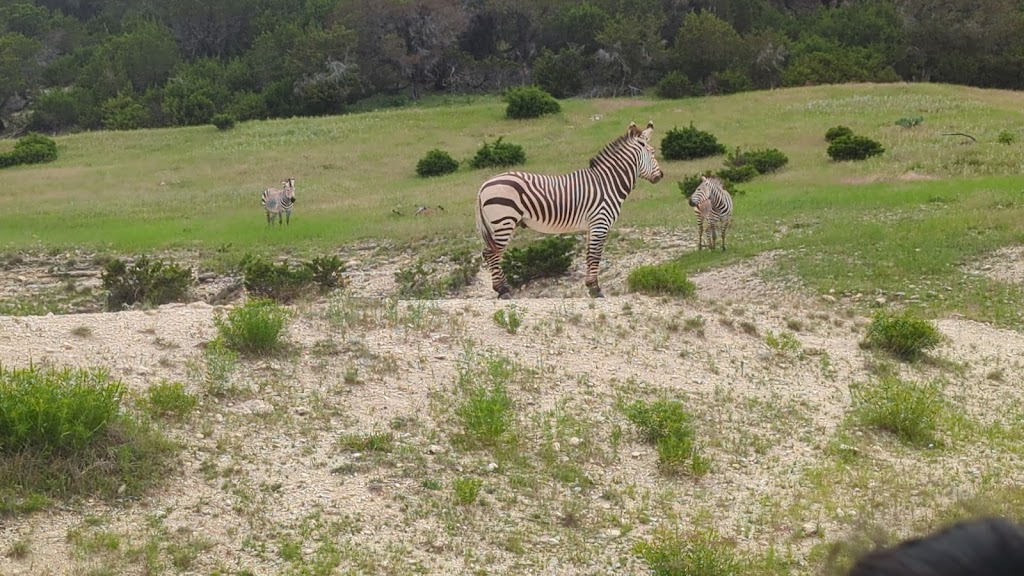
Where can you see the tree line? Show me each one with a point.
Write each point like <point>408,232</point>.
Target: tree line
<point>123,64</point>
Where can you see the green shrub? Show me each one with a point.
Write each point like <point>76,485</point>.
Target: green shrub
<point>169,400</point>
<point>223,121</point>
<point>422,281</point>
<point>910,122</point>
<point>467,490</point>
<point>63,433</point>
<point>909,410</point>
<point>675,84</point>
<point>486,415</point>
<point>837,132</point>
<point>703,553</point>
<point>547,258</point>
<point>666,278</point>
<point>854,148</point>
<point>901,335</point>
<point>508,319</point>
<point>667,425</point>
<point>764,160</point>
<point>31,148</point>
<point>743,173</point>
<point>498,154</point>
<point>326,272</point>
<point>689,144</point>
<point>436,163</point>
<point>253,328</point>
<point>151,282</point>
<point>280,282</point>
<point>1005,137</point>
<point>530,102</point>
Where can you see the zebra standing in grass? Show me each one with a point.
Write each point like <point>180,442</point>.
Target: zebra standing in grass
<point>588,200</point>
<point>712,204</point>
<point>279,202</point>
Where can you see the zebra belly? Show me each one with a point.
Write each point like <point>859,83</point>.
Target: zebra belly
<point>271,205</point>
<point>546,228</point>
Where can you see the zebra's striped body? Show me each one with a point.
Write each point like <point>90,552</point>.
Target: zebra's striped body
<point>279,202</point>
<point>713,206</point>
<point>585,200</point>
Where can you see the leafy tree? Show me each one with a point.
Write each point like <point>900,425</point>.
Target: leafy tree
<point>706,44</point>
<point>18,67</point>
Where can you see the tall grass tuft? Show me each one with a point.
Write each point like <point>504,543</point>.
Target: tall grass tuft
<point>253,328</point>
<point>666,278</point>
<point>911,411</point>
<point>667,425</point>
<point>901,335</point>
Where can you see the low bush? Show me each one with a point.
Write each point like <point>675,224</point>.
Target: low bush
<point>169,400</point>
<point>744,173</point>
<point>31,148</point>
<point>836,132</point>
<point>688,185</point>
<point>423,280</point>
<point>911,411</point>
<point>763,160</point>
<point>910,122</point>
<point>667,425</point>
<point>151,282</point>
<point>530,102</point>
<point>854,148</point>
<point>63,433</point>
<point>676,85</point>
<point>280,282</point>
<point>498,154</point>
<point>901,335</point>
<point>437,162</point>
<point>1006,137</point>
<point>253,328</point>
<point>547,258</point>
<point>326,272</point>
<point>689,144</point>
<point>223,121</point>
<point>659,279</point>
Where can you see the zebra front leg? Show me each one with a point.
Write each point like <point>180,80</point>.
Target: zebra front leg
<point>595,247</point>
<point>498,281</point>
<point>724,228</point>
<point>700,236</point>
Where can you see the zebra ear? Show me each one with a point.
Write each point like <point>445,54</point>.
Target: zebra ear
<point>633,130</point>
<point>646,134</point>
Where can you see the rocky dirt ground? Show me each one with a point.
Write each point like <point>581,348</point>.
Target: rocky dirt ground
<point>267,481</point>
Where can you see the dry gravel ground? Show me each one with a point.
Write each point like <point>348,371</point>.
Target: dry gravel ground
<point>263,484</point>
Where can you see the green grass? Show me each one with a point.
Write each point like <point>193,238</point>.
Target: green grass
<point>668,278</point>
<point>849,226</point>
<point>913,412</point>
<point>669,426</point>
<point>901,335</point>
<point>169,400</point>
<point>254,328</point>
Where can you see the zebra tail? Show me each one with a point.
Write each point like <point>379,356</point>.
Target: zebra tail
<point>483,227</point>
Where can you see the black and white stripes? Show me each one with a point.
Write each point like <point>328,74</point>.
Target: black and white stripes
<point>713,206</point>
<point>279,202</point>
<point>585,200</point>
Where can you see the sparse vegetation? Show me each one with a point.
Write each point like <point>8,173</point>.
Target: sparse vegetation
<point>910,122</point>
<point>911,411</point>
<point>169,400</point>
<point>901,335</point>
<point>508,319</point>
<point>1006,137</point>
<point>256,327</point>
<point>667,425</point>
<point>667,278</point>
<point>466,490</point>
<point>151,282</point>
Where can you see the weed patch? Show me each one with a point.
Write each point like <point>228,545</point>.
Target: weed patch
<point>668,278</point>
<point>667,425</point>
<point>169,400</point>
<point>253,328</point>
<point>901,335</point>
<point>911,411</point>
<point>508,319</point>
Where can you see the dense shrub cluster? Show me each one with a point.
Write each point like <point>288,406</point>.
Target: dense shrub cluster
<point>151,282</point>
<point>223,121</point>
<point>546,258</point>
<point>498,154</point>
<point>283,282</point>
<point>31,148</point>
<point>676,85</point>
<point>854,147</point>
<point>689,144</point>
<point>530,102</point>
<point>437,162</point>
<point>763,160</point>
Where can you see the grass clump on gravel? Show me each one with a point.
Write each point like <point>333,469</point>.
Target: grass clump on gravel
<point>667,425</point>
<point>253,328</point>
<point>169,400</point>
<point>658,279</point>
<point>911,411</point>
<point>63,433</point>
<point>901,335</point>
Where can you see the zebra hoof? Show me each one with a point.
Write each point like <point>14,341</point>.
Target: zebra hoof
<point>596,292</point>
<point>504,296</point>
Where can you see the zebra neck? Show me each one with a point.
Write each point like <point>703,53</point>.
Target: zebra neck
<point>620,181</point>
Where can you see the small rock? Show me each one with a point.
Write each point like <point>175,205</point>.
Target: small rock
<point>574,441</point>
<point>492,467</point>
<point>809,530</point>
<point>207,277</point>
<point>880,301</point>
<point>828,298</point>
<point>611,533</point>
<point>435,449</point>
<point>635,454</point>
<point>200,305</point>
<point>142,371</point>
<point>121,489</point>
<point>301,410</point>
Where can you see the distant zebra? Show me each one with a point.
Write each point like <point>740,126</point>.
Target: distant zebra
<point>712,204</point>
<point>588,200</point>
<point>279,202</point>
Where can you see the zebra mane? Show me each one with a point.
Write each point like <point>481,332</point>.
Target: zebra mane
<point>610,149</point>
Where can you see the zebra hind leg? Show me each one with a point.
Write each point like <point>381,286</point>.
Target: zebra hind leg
<point>594,249</point>
<point>498,281</point>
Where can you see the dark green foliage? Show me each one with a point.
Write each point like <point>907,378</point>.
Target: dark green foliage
<point>422,281</point>
<point>63,432</point>
<point>910,122</point>
<point>743,173</point>
<point>901,335</point>
<point>151,282</point>
<point>666,278</point>
<point>436,163</point>
<point>763,160</point>
<point>1005,137</point>
<point>280,282</point>
<point>326,272</point>
<point>689,144</point>
<point>546,258</point>
<point>498,154</point>
<point>854,148</point>
<point>530,102</point>
<point>254,328</point>
<point>559,74</point>
<point>675,84</point>
<point>837,132</point>
<point>223,121</point>
<point>31,148</point>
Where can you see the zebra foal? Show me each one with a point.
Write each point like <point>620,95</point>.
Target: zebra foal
<point>713,205</point>
<point>588,199</point>
<point>279,202</point>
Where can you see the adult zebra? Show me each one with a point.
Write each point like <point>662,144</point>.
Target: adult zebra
<point>279,201</point>
<point>588,200</point>
<point>712,204</point>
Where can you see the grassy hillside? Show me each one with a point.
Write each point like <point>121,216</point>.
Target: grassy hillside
<point>931,203</point>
